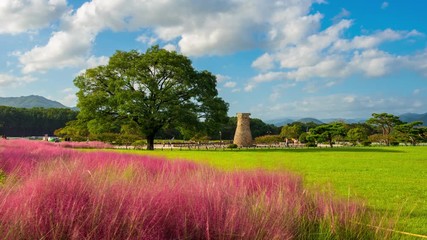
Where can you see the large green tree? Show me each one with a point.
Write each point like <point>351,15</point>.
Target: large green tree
<point>386,122</point>
<point>157,89</point>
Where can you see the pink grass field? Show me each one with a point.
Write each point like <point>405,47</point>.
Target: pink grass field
<point>51,192</point>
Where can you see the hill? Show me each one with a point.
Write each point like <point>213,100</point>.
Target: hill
<point>30,102</point>
<point>308,120</point>
<point>411,117</point>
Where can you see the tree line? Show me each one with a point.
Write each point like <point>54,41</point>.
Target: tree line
<point>384,128</point>
<point>24,122</point>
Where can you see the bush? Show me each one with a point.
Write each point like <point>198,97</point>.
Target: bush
<point>311,144</point>
<point>366,143</point>
<point>139,143</point>
<point>268,139</point>
<point>394,143</point>
<point>232,145</point>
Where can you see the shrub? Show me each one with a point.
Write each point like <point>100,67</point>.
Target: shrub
<point>139,143</point>
<point>268,139</point>
<point>232,145</point>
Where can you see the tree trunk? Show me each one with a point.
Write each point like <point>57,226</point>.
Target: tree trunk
<point>150,142</point>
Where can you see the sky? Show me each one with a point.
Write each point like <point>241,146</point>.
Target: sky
<point>272,58</point>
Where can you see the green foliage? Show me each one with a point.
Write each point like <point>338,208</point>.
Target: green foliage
<point>386,122</point>
<point>357,135</point>
<point>139,143</point>
<point>292,131</point>
<point>268,139</point>
<point>303,138</point>
<point>410,132</point>
<point>155,90</point>
<point>232,146</point>
<point>327,132</point>
<point>34,121</point>
<point>74,130</point>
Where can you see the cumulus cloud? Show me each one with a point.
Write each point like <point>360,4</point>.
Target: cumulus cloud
<point>18,16</point>
<point>328,54</point>
<point>11,80</point>
<point>198,28</point>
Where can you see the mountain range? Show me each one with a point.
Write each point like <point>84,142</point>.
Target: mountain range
<point>407,117</point>
<point>30,102</point>
<point>39,101</point>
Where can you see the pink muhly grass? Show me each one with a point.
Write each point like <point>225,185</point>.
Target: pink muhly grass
<point>89,144</point>
<point>65,194</point>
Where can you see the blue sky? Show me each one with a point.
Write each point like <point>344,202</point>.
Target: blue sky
<point>274,59</point>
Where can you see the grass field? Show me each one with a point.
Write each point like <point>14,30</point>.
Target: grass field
<point>392,180</point>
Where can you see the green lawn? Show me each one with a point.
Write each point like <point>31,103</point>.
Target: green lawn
<point>392,180</point>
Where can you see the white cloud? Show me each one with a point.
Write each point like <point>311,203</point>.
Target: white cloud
<point>69,99</point>
<point>339,105</point>
<point>147,40</point>
<point>264,63</point>
<point>384,5</point>
<point>230,84</point>
<point>373,63</point>
<point>417,62</point>
<point>343,14</point>
<point>269,77</point>
<point>93,61</point>
<point>170,47</point>
<point>10,80</point>
<point>18,16</point>
<point>328,54</point>
<point>250,87</point>
<point>200,28</point>
<point>64,49</point>
<point>222,78</point>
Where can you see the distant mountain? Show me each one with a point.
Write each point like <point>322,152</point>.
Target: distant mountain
<point>280,122</point>
<point>284,121</point>
<point>412,117</point>
<point>349,120</point>
<point>308,120</point>
<point>30,102</point>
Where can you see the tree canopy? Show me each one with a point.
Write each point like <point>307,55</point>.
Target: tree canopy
<point>327,132</point>
<point>154,90</point>
<point>22,122</point>
<point>386,122</point>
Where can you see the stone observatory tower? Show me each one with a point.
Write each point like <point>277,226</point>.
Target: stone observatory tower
<point>243,136</point>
